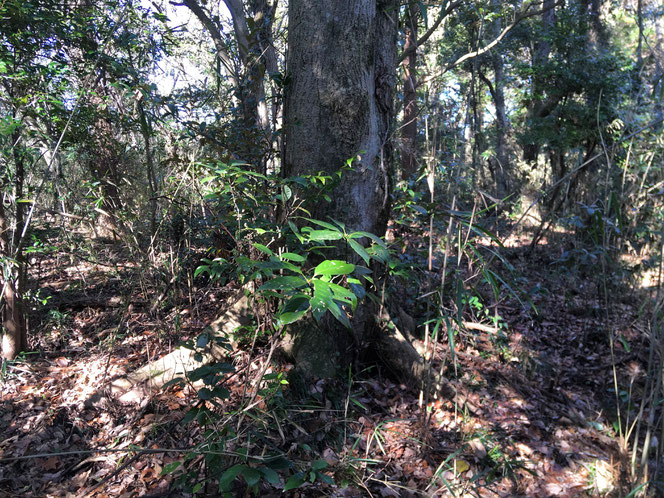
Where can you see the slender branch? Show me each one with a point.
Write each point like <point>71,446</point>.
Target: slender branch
<point>444,12</point>
<point>524,14</point>
<point>217,37</point>
<point>488,83</point>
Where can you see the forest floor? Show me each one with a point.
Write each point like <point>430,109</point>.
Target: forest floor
<point>536,417</point>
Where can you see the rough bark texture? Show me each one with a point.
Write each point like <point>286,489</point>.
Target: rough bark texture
<point>341,65</point>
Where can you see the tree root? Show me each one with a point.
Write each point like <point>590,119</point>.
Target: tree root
<point>138,385</point>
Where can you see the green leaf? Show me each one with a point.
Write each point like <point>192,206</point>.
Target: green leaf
<point>375,238</point>
<point>356,287</point>
<point>295,231</point>
<point>323,224</point>
<point>169,468</point>
<point>263,248</point>
<point>278,463</point>
<point>290,317</point>
<point>316,235</point>
<point>294,482</point>
<point>423,12</point>
<point>325,478</point>
<point>319,464</point>
<point>176,381</point>
<point>276,264</point>
<point>624,343</point>
<point>251,475</point>
<point>299,302</point>
<point>201,269</point>
<point>357,247</point>
<point>202,341</point>
<point>221,393</point>
<point>344,295</point>
<point>229,476</point>
<point>334,267</point>
<point>270,475</point>
<point>323,300</point>
<point>291,256</point>
<point>283,283</point>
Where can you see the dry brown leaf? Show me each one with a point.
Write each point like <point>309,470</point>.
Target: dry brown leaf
<point>51,463</point>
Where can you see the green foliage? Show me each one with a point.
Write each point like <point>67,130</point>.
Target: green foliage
<point>297,273</point>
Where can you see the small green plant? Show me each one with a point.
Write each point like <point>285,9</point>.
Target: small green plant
<point>6,365</point>
<point>312,474</point>
<point>303,267</point>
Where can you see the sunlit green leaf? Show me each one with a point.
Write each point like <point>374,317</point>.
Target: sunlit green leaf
<point>263,248</point>
<point>333,267</point>
<point>316,235</point>
<point>290,256</point>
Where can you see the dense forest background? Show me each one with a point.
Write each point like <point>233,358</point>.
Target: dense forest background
<point>348,248</point>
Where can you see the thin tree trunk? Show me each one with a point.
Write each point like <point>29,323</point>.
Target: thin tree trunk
<point>409,127</point>
<point>264,15</point>
<point>152,181</point>
<point>538,108</point>
<point>14,337</point>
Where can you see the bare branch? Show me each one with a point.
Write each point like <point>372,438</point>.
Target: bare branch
<point>425,37</point>
<point>524,14</point>
<point>217,38</point>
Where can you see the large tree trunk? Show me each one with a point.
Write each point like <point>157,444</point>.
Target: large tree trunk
<point>341,62</point>
<point>338,105</point>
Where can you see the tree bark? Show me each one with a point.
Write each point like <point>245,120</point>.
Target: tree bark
<point>498,166</point>
<point>502,157</point>
<point>14,337</point>
<point>150,172</point>
<point>338,105</point>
